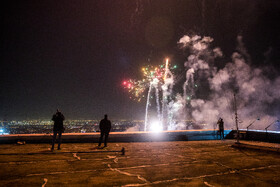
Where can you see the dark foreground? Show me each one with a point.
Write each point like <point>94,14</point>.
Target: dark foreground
<point>184,163</point>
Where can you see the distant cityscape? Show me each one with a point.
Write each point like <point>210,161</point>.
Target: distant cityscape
<point>71,126</point>
<point>75,126</point>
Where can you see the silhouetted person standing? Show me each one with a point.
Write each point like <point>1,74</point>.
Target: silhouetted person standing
<point>58,128</point>
<point>221,127</point>
<point>105,127</point>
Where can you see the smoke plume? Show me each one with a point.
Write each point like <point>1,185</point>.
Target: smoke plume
<point>257,95</point>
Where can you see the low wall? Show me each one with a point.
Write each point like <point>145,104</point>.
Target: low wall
<point>185,135</point>
<point>256,135</point>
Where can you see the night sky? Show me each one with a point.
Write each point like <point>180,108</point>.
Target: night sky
<point>74,55</point>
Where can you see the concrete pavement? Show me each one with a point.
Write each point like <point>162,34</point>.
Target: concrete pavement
<point>176,163</point>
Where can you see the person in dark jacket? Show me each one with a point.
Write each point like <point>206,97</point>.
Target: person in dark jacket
<point>105,127</point>
<point>221,127</point>
<point>58,128</point>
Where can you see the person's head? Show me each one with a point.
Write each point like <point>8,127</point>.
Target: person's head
<point>58,111</point>
<point>105,116</point>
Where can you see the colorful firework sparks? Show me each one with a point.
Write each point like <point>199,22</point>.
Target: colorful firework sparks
<point>136,88</point>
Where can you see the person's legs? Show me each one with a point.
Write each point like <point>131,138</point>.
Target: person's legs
<point>223,133</point>
<point>101,137</point>
<point>59,139</point>
<point>106,138</point>
<point>220,134</point>
<point>54,137</point>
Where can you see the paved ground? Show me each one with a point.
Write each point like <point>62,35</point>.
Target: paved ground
<point>184,163</point>
<point>262,144</point>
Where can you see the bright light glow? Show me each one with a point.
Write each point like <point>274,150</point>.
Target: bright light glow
<point>156,126</point>
<point>1,130</point>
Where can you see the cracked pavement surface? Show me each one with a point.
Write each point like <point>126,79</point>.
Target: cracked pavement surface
<point>184,163</point>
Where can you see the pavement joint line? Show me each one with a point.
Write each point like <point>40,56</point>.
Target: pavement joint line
<point>164,164</point>
<point>45,182</point>
<point>75,156</point>
<point>202,176</point>
<point>207,184</point>
<point>32,162</point>
<point>155,182</point>
<point>71,152</point>
<point>63,172</point>
<point>262,167</point>
<point>143,166</point>
<point>132,167</point>
<point>125,173</point>
<point>111,157</point>
<point>129,174</point>
<point>183,178</point>
<point>84,171</point>
<point>220,164</point>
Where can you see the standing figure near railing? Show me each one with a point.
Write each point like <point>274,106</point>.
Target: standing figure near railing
<point>58,128</point>
<point>221,128</point>
<point>105,127</point>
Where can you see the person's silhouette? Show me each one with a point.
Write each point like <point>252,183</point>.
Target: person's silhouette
<point>221,127</point>
<point>58,128</point>
<point>105,127</point>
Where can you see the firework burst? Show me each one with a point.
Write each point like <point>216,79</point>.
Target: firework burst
<point>137,88</point>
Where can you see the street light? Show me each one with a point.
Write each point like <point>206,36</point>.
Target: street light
<point>253,123</point>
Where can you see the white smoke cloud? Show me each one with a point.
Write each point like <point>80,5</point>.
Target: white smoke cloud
<point>218,52</point>
<point>256,93</point>
<point>206,113</point>
<point>221,77</point>
<point>185,40</point>
<point>195,42</point>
